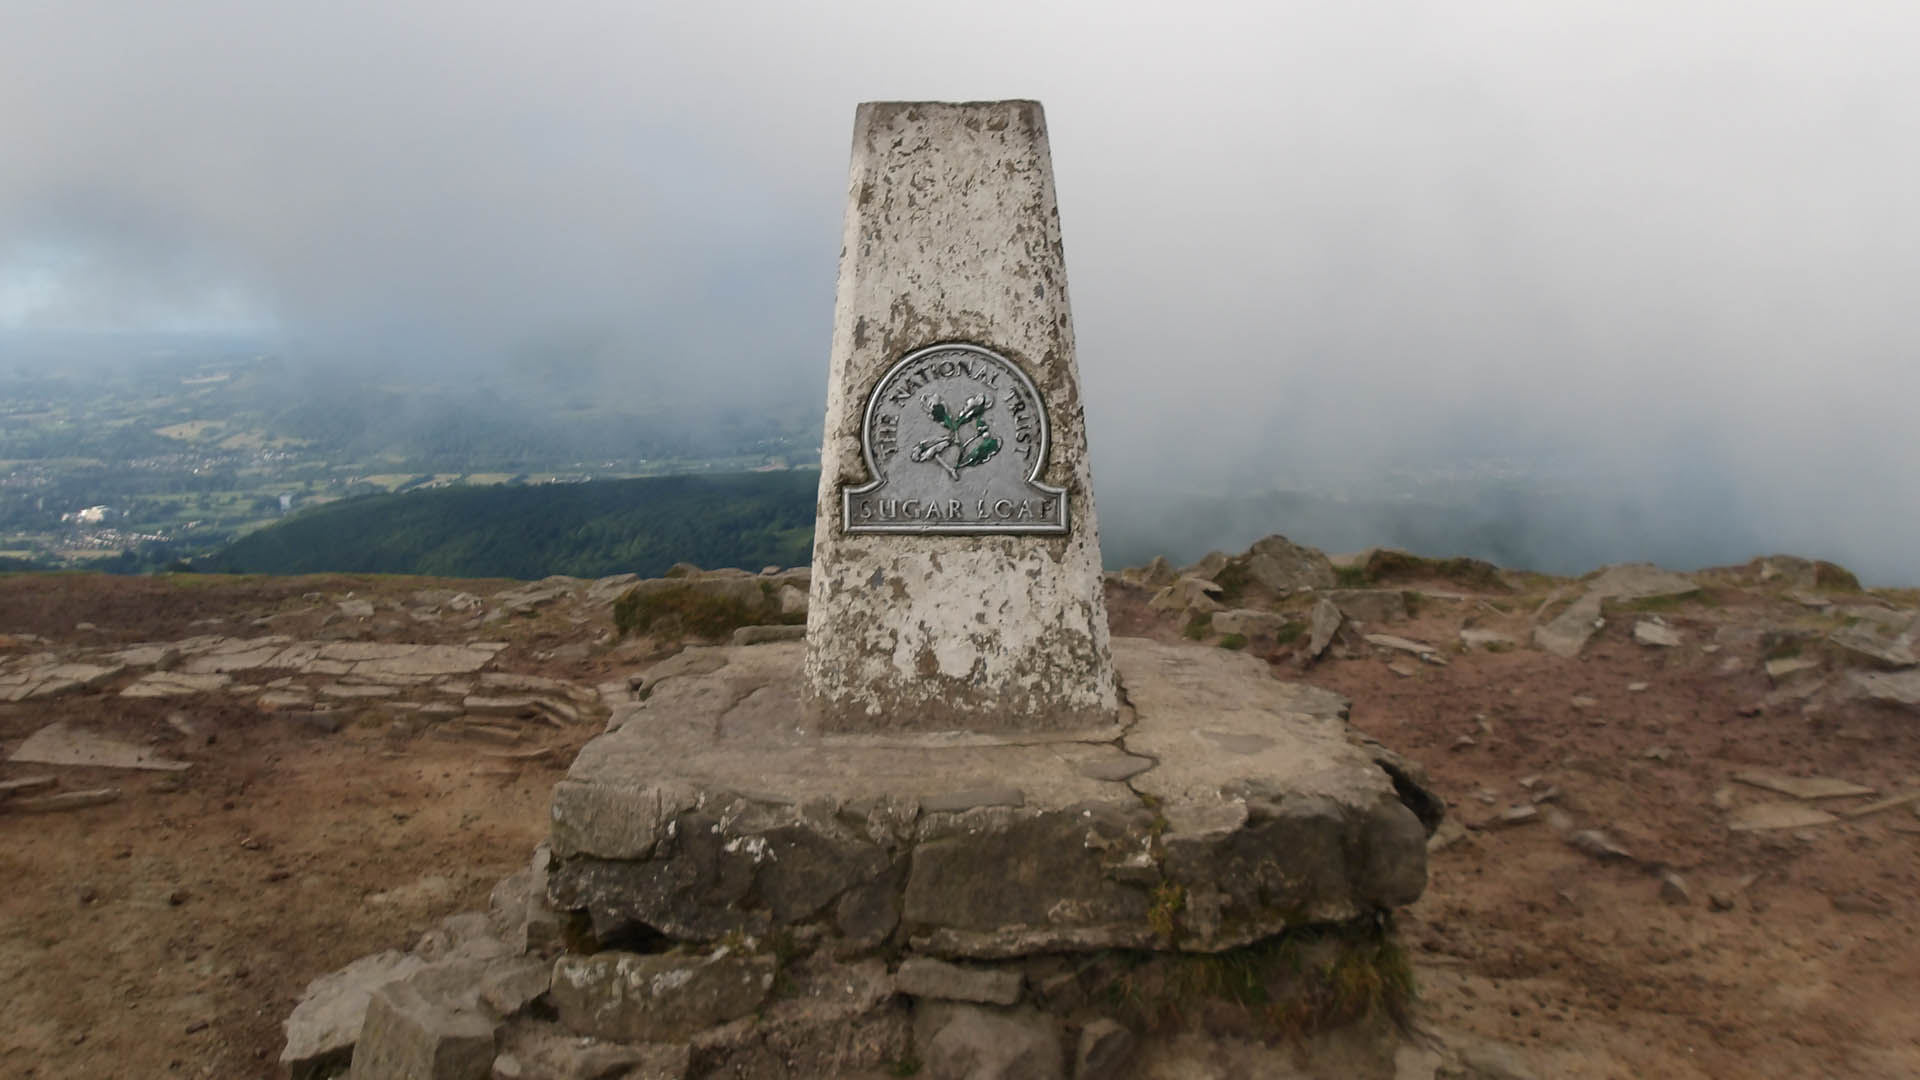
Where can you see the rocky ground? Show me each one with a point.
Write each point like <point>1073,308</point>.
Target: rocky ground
<point>1631,883</point>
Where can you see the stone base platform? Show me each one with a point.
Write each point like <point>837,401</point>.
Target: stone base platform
<point>1226,807</point>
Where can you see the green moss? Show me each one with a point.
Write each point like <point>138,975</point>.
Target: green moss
<point>1169,900</point>
<point>1233,641</point>
<point>1289,633</point>
<point>1412,599</point>
<point>1199,625</point>
<point>686,611</point>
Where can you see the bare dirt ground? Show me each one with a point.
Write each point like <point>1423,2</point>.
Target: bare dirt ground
<point>169,932</point>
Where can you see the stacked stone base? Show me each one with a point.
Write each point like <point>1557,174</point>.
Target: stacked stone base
<point>729,895</point>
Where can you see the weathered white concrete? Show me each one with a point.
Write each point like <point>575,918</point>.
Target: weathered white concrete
<point>952,235</point>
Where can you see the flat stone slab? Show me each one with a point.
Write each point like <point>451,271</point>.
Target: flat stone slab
<point>1803,787</point>
<point>1227,807</point>
<point>1777,815</point>
<point>176,684</point>
<point>59,744</point>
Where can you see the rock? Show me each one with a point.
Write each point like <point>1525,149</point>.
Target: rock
<point>608,589</point>
<point>1597,843</point>
<point>1583,702</point>
<point>1778,815</point>
<point>1803,787</point>
<point>792,601</point>
<point>1450,832</point>
<point>1486,639</point>
<point>1569,631</point>
<point>1637,687</point>
<point>1186,596</point>
<point>1880,805</point>
<point>24,784</point>
<point>1518,815</point>
<point>1640,581</point>
<point>1673,889</point>
<point>926,977</point>
<point>1891,621</point>
<point>756,635</point>
<point>356,609</point>
<point>66,800</point>
<point>1104,1052</point>
<point>324,722</point>
<point>662,997</point>
<point>1862,645</point>
<point>1861,903</point>
<point>160,655</point>
<point>175,684</point>
<point>1899,689</point>
<point>59,744</point>
<point>406,1036</point>
<point>546,1052</point>
<point>1648,632</point>
<point>1154,575</point>
<point>356,691</point>
<point>1325,623</point>
<point>652,825</point>
<point>1787,666</point>
<point>1209,565</point>
<point>1387,641</point>
<point>1283,566</point>
<point>513,983</point>
<point>1403,669</point>
<point>1370,605</point>
<point>977,1044</point>
<point>1248,623</point>
<point>1720,901</point>
<point>51,680</point>
<point>323,1027</point>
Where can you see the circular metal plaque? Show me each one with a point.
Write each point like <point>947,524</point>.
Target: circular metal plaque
<point>955,437</point>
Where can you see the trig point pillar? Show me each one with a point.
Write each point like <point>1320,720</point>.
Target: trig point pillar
<point>956,558</point>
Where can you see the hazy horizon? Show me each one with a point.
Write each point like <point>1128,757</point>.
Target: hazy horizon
<point>1652,258</point>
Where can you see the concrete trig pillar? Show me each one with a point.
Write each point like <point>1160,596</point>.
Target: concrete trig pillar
<point>956,559</point>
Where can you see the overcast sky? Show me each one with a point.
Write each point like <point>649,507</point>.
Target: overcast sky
<point>1624,241</point>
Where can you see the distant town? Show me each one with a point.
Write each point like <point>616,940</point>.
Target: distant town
<point>146,464</point>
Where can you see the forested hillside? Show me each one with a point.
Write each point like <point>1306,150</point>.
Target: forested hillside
<point>584,530</point>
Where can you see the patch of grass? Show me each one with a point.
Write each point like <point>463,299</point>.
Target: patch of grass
<point>687,611</point>
<point>1291,985</point>
<point>1834,577</point>
<point>1199,625</point>
<point>1289,633</point>
<point>906,1066</point>
<point>1478,574</point>
<point>1233,580</point>
<point>1351,577</point>
<point>1169,900</point>
<point>1412,599</point>
<point>1233,641</point>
